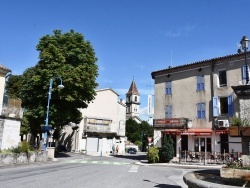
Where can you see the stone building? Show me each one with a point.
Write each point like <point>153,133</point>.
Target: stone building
<point>195,103</point>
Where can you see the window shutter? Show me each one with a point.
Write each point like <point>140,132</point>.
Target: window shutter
<point>230,105</point>
<point>215,106</point>
<point>198,110</point>
<point>203,110</point>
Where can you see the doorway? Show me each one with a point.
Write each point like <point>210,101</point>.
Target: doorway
<point>184,142</point>
<point>202,144</point>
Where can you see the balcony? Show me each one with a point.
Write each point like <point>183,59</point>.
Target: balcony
<point>98,128</point>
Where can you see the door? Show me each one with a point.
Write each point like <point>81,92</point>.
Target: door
<point>92,144</point>
<point>184,142</point>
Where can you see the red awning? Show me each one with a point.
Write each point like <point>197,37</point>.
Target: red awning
<point>198,132</point>
<point>195,132</point>
<point>221,131</point>
<point>172,131</point>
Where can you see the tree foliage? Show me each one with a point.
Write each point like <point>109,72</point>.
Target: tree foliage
<point>138,132</point>
<point>167,149</point>
<point>64,55</point>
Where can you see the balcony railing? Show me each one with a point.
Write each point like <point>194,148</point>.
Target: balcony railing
<point>98,128</point>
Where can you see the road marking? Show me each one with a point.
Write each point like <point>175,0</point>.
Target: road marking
<point>95,162</point>
<point>133,169</point>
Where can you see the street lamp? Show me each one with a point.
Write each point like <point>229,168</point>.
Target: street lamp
<point>47,114</point>
<point>244,46</point>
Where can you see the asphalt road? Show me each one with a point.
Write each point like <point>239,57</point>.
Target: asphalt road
<point>92,172</point>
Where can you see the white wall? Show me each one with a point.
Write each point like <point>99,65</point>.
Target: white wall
<point>10,134</point>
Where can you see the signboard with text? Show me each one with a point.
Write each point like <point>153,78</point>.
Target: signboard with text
<point>170,123</point>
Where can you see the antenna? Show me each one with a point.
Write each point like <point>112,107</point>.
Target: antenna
<point>171,58</point>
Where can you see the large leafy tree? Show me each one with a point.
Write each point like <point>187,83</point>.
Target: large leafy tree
<point>70,57</point>
<point>138,132</point>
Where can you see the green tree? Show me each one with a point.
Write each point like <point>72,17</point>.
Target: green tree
<point>71,57</point>
<point>167,149</point>
<point>139,132</point>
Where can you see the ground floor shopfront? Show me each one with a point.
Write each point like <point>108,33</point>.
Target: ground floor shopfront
<point>202,141</point>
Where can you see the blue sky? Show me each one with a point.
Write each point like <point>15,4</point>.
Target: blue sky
<point>131,38</point>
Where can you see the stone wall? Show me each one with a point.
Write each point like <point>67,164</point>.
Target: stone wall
<point>23,158</point>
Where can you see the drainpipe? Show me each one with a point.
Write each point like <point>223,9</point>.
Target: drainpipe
<point>212,88</point>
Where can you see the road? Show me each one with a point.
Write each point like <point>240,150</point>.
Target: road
<point>92,172</point>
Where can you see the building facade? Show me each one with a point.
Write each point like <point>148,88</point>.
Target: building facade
<point>196,103</point>
<point>103,126</point>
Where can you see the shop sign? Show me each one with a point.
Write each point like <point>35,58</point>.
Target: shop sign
<point>170,123</point>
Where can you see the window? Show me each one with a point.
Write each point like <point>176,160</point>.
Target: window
<point>168,88</point>
<point>135,98</point>
<point>223,106</point>
<point>168,111</point>
<point>201,110</point>
<point>222,78</point>
<point>244,73</point>
<point>200,83</point>
<point>129,98</point>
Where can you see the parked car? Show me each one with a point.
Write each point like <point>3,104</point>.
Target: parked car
<point>131,151</point>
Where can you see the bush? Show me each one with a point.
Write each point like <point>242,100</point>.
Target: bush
<point>153,155</point>
<point>16,149</point>
<point>24,147</point>
<point>167,149</point>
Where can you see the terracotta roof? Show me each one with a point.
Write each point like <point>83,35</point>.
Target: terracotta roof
<point>133,89</point>
<point>199,64</point>
<point>4,69</point>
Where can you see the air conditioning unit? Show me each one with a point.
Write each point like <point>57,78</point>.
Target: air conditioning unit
<point>223,123</point>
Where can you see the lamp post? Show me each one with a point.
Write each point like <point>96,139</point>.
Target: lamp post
<point>244,46</point>
<point>46,127</point>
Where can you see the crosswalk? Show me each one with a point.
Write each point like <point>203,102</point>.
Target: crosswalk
<point>82,161</point>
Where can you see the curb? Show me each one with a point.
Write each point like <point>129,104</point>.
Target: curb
<point>185,166</point>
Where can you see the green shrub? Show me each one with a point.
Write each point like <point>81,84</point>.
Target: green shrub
<point>16,149</point>
<point>153,155</point>
<point>166,152</point>
<point>25,147</point>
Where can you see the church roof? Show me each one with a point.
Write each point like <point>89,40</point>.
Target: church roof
<point>133,89</point>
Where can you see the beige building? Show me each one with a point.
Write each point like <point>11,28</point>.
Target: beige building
<point>103,126</point>
<point>195,104</point>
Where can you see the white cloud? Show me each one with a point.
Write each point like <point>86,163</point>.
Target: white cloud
<point>181,31</point>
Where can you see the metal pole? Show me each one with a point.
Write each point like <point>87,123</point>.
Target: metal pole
<point>47,116</point>
<point>247,76</point>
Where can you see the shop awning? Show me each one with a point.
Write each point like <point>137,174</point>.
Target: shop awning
<point>197,132</point>
<point>221,131</point>
<point>172,131</point>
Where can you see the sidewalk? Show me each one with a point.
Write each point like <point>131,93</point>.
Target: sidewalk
<point>180,165</point>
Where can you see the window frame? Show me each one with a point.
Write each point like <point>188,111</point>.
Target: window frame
<point>220,78</point>
<point>201,110</point>
<point>168,88</point>
<point>168,111</point>
<point>200,83</point>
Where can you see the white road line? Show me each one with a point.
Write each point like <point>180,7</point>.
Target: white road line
<point>95,162</point>
<point>116,163</point>
<point>105,162</point>
<point>83,161</point>
<point>133,169</point>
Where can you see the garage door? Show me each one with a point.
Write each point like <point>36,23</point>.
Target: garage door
<point>92,144</point>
